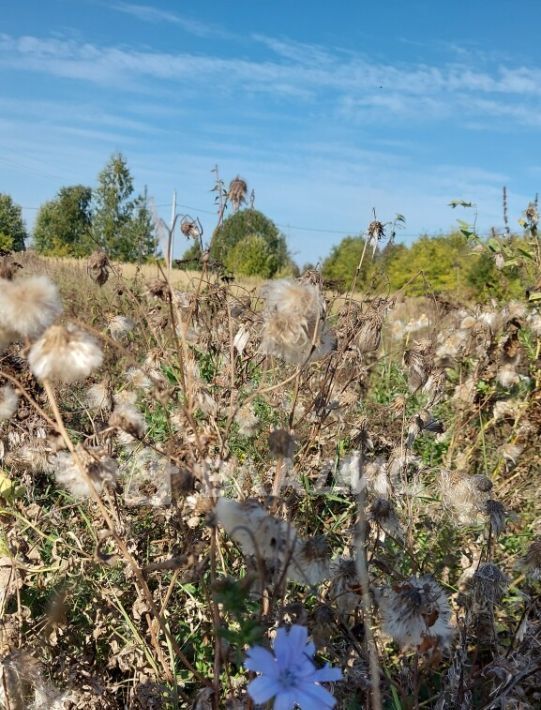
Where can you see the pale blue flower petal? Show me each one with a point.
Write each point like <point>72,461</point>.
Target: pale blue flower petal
<point>285,700</point>
<point>263,688</point>
<point>289,645</point>
<point>313,697</point>
<point>261,660</point>
<point>324,674</point>
<point>310,649</point>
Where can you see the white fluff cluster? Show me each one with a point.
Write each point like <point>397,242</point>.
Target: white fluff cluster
<point>464,496</point>
<point>507,376</point>
<point>65,354</point>
<point>119,326</point>
<point>127,417</point>
<point>101,470</point>
<point>417,612</point>
<point>9,401</point>
<point>147,479</point>
<point>28,306</point>
<point>294,319</point>
<point>98,397</point>
<point>273,541</point>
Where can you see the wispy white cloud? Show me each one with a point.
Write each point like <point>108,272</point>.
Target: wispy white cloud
<point>148,13</point>
<point>301,72</point>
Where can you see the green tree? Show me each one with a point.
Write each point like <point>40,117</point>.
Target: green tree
<point>12,229</point>
<point>191,259</point>
<point>250,223</point>
<point>251,256</point>
<point>63,225</point>
<point>121,224</point>
<point>340,266</point>
<point>438,264</point>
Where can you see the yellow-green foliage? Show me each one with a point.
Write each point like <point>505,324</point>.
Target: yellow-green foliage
<point>6,242</point>
<point>251,256</point>
<point>442,261</point>
<point>341,264</point>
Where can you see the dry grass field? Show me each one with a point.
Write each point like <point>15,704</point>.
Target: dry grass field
<point>210,491</point>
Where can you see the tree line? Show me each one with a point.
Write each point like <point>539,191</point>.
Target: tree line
<point>113,218</point>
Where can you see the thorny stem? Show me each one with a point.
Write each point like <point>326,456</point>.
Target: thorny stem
<point>143,586</point>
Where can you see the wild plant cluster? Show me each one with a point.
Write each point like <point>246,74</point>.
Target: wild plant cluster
<point>233,496</point>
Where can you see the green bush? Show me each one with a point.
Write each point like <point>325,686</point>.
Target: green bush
<point>251,256</point>
<point>242,225</point>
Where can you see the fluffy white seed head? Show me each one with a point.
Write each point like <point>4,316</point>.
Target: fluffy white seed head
<point>507,376</point>
<point>98,397</point>
<point>416,613</point>
<point>294,319</point>
<point>9,401</point>
<point>127,417</point>
<point>119,326</point>
<point>67,471</point>
<point>28,306</point>
<point>65,354</point>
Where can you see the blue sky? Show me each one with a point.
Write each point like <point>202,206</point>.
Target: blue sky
<point>326,109</point>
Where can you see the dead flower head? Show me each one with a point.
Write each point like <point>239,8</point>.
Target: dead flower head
<point>98,267</point>
<point>29,305</point>
<point>9,401</point>
<point>495,513</point>
<point>294,321</point>
<point>488,584</point>
<point>65,354</point>
<point>99,468</point>
<point>465,496</point>
<point>416,613</point>
<point>126,416</point>
<point>237,192</point>
<point>531,562</point>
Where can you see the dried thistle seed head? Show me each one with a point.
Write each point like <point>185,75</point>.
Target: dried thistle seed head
<point>310,561</point>
<point>98,267</point>
<point>482,483</point>
<point>119,326</point>
<point>507,376</point>
<point>190,228</point>
<point>8,268</point>
<point>489,584</point>
<point>257,533</point>
<point>158,288</point>
<point>99,468</point>
<point>9,401</point>
<point>506,409</point>
<point>281,444</point>
<point>237,192</point>
<point>293,321</point>
<point>345,588</point>
<point>29,305</point>
<point>464,496</point>
<point>126,416</point>
<point>531,562</point>
<point>64,354</point>
<point>383,513</point>
<point>419,361</point>
<point>369,335</point>
<point>375,232</point>
<point>495,513</point>
<point>415,611</point>
<point>98,397</point>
